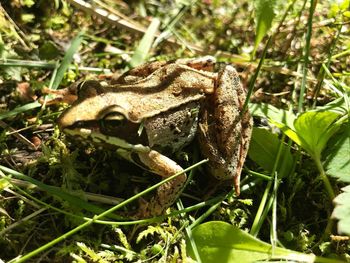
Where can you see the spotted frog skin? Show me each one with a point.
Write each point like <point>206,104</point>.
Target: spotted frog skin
<point>156,109</point>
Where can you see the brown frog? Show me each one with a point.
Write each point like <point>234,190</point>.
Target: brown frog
<point>156,109</point>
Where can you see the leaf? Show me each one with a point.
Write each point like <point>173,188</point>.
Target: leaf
<point>314,130</point>
<point>338,105</point>
<point>264,148</point>
<point>151,230</point>
<point>274,114</point>
<point>221,242</point>
<point>264,15</point>
<point>342,211</point>
<point>144,47</point>
<point>338,7</point>
<point>310,130</point>
<point>122,237</point>
<point>338,155</point>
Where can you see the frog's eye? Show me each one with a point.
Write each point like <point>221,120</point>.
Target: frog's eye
<point>114,116</point>
<point>113,120</point>
<point>89,88</point>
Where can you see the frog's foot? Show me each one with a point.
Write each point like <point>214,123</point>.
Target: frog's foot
<point>168,192</point>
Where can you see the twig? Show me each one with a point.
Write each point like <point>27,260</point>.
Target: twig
<point>17,135</point>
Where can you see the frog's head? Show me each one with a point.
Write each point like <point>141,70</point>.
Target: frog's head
<point>100,117</point>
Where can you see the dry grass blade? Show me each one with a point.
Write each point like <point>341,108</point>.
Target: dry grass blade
<point>111,16</point>
<point>114,17</point>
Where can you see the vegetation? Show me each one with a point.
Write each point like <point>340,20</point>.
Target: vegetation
<point>61,202</point>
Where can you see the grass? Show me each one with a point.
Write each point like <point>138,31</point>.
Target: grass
<point>62,202</point>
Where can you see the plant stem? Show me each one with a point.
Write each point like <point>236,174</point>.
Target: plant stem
<point>263,209</point>
<point>330,192</point>
<point>324,178</point>
<point>306,55</point>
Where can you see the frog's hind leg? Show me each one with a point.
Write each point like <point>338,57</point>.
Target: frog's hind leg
<point>224,130</point>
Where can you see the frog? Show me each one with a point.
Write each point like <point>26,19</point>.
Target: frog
<point>154,110</point>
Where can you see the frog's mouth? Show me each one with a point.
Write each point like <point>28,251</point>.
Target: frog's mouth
<point>102,139</point>
<point>109,134</point>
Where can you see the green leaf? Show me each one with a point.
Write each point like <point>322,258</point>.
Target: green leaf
<point>338,155</point>
<point>264,110</point>
<point>314,130</point>
<point>144,47</point>
<point>338,105</point>
<point>264,15</point>
<point>264,148</point>
<point>342,211</point>
<point>221,242</point>
<point>310,130</point>
<point>338,7</point>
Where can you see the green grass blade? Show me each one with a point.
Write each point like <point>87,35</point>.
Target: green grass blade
<point>97,217</point>
<point>74,200</point>
<point>255,76</point>
<point>144,47</point>
<point>67,59</point>
<point>19,110</point>
<point>26,63</point>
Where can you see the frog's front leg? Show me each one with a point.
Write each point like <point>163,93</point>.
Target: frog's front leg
<point>167,193</point>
